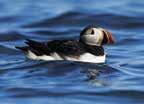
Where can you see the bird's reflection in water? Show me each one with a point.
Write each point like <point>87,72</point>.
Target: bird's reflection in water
<point>98,74</point>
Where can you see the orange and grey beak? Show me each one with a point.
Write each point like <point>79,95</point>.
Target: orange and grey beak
<point>108,38</point>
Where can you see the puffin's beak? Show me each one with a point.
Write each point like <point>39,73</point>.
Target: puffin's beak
<point>109,37</point>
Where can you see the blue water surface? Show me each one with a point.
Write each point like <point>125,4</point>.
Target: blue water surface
<point>24,81</point>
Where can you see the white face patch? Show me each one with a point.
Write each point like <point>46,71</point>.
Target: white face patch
<point>93,39</point>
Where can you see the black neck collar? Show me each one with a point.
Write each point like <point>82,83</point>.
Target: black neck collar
<point>96,50</point>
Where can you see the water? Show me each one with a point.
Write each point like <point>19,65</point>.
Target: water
<point>36,82</point>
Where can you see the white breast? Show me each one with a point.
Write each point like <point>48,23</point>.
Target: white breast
<point>87,57</point>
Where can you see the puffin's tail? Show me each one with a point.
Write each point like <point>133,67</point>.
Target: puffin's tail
<point>25,48</point>
<point>31,44</point>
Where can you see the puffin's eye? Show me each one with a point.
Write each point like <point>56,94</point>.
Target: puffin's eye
<point>92,32</point>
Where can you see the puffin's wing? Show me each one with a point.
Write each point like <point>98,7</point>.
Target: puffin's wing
<point>65,47</point>
<point>38,48</point>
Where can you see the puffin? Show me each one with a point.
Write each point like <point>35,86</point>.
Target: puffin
<point>88,48</point>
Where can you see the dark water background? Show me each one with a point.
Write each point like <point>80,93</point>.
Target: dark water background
<point>24,81</point>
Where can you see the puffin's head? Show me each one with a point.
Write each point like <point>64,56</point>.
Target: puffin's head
<point>96,36</point>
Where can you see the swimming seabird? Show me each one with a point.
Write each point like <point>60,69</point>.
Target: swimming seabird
<point>88,48</point>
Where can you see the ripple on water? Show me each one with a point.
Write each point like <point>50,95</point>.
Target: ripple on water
<point>27,81</point>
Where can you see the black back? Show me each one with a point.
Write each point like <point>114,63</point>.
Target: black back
<point>63,47</point>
